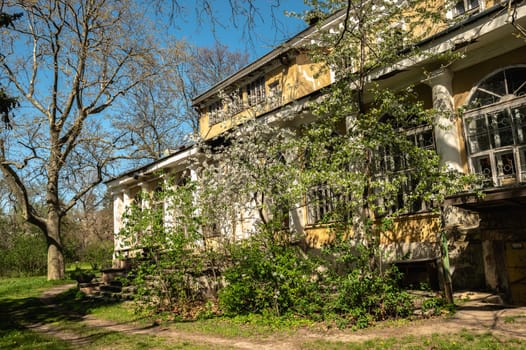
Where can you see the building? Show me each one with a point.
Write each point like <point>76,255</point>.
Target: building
<point>487,81</point>
<point>127,187</point>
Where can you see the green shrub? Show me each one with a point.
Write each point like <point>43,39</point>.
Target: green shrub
<point>264,274</point>
<point>81,275</point>
<point>363,298</point>
<point>98,254</point>
<point>24,255</point>
<point>266,277</point>
<point>168,272</point>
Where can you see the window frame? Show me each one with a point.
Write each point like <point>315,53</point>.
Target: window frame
<point>235,103</point>
<point>322,200</point>
<point>256,91</point>
<point>497,175</point>
<point>509,85</point>
<point>388,166</point>
<point>467,7</point>
<point>215,112</point>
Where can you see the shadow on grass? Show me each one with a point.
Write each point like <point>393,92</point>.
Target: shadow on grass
<point>19,315</point>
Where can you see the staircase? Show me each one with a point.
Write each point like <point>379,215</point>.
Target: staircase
<point>110,286</point>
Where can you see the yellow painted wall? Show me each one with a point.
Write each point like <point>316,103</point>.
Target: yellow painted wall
<point>316,237</point>
<point>297,80</point>
<point>427,27</point>
<point>408,229</point>
<point>421,26</point>
<point>516,268</point>
<point>465,80</point>
<point>413,228</point>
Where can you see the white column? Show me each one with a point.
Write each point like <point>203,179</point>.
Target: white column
<point>193,174</point>
<point>125,200</point>
<point>118,208</point>
<point>446,132</point>
<point>119,205</point>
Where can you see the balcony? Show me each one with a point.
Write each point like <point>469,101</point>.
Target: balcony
<point>255,105</point>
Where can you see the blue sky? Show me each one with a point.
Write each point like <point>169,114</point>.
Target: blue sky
<point>272,27</point>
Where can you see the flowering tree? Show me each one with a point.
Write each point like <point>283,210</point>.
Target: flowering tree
<point>366,157</point>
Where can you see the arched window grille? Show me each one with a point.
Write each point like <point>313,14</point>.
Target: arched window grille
<point>495,128</point>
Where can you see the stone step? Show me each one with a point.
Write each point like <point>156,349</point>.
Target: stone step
<point>129,289</point>
<point>115,283</point>
<point>110,288</point>
<point>112,284</point>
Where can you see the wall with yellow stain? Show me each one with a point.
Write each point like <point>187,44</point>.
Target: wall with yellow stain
<point>424,27</point>
<point>421,228</point>
<point>414,228</point>
<point>316,237</point>
<point>465,80</point>
<point>296,80</point>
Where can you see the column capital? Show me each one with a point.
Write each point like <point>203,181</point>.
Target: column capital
<point>442,76</point>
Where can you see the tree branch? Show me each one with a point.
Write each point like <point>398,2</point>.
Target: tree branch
<point>19,190</point>
<point>73,201</point>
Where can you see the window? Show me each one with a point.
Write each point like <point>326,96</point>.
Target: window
<point>394,165</point>
<point>274,92</point>
<point>215,113</point>
<point>495,128</point>
<point>465,6</point>
<point>326,205</point>
<point>210,230</point>
<point>235,102</point>
<point>256,91</point>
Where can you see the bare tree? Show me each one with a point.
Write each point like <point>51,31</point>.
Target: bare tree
<point>204,68</point>
<point>153,115</point>
<point>244,14</point>
<point>73,60</point>
<point>158,115</point>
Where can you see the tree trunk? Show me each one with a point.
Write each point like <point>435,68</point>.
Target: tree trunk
<point>55,262</point>
<point>444,255</point>
<point>448,285</point>
<point>55,251</point>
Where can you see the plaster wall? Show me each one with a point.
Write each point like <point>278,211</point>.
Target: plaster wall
<point>299,78</point>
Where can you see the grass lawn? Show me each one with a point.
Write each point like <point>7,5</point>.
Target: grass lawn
<point>20,308</point>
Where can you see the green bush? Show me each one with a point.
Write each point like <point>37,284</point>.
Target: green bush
<point>169,271</point>
<point>266,277</point>
<point>25,254</point>
<point>81,275</point>
<point>356,291</point>
<point>363,298</point>
<point>264,274</point>
<point>98,254</point>
<point>270,278</point>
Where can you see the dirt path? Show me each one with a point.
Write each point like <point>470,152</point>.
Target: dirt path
<point>476,315</point>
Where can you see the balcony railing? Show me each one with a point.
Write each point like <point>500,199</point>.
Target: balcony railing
<point>234,107</point>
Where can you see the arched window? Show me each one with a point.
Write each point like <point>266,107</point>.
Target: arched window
<point>495,127</point>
